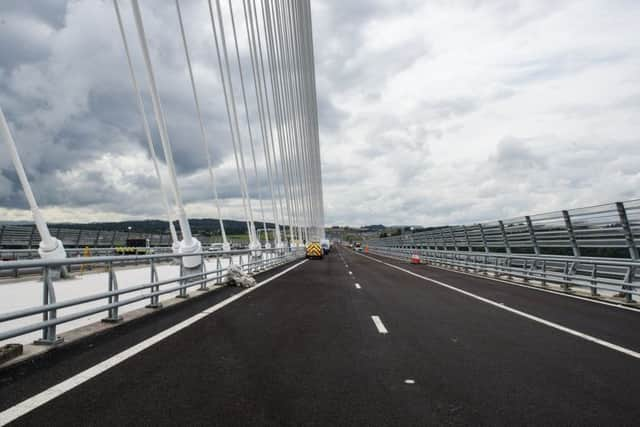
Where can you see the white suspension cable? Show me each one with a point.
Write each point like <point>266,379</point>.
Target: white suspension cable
<point>246,111</point>
<point>50,247</point>
<point>251,37</point>
<point>212,178</point>
<point>271,142</point>
<point>232,117</point>
<point>291,145</point>
<point>188,244</point>
<point>284,134</point>
<point>147,131</point>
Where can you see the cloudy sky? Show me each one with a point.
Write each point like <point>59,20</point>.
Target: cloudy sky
<point>431,112</point>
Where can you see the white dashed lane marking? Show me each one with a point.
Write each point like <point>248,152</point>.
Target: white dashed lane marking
<point>379,325</point>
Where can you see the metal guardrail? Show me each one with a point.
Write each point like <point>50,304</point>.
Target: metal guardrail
<point>595,247</point>
<point>27,237</point>
<point>608,231</point>
<point>31,254</point>
<point>250,261</point>
<point>596,274</point>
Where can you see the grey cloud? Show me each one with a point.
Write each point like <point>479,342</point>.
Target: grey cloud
<point>67,95</point>
<point>560,64</point>
<point>515,154</point>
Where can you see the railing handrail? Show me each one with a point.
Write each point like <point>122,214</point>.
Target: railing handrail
<point>256,260</point>
<point>30,263</point>
<point>558,258</point>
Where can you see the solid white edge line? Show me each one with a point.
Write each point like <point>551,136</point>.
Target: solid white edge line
<point>540,320</point>
<point>28,405</point>
<point>533,288</point>
<point>379,325</point>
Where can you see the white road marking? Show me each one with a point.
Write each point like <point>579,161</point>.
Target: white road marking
<point>51,393</point>
<point>540,320</point>
<point>350,273</point>
<point>358,286</point>
<point>538,289</point>
<point>409,381</point>
<point>379,325</point>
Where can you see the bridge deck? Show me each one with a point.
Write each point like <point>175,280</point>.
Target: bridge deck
<point>304,350</point>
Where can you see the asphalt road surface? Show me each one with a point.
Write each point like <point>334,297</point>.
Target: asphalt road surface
<point>351,340</point>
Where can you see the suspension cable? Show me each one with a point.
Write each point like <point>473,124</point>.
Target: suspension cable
<point>246,111</point>
<point>145,125</point>
<point>205,144</point>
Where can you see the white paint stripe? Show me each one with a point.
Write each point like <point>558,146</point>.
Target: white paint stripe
<point>540,320</point>
<point>534,288</point>
<point>379,325</point>
<point>40,399</point>
<point>358,286</point>
<point>350,273</point>
<point>549,291</point>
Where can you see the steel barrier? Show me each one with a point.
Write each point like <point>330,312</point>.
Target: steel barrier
<point>251,262</point>
<point>594,247</point>
<point>607,231</point>
<point>26,236</point>
<point>597,274</point>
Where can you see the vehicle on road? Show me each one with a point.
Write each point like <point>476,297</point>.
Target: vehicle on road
<point>357,247</point>
<point>215,247</point>
<point>314,250</point>
<point>326,246</point>
<point>135,247</point>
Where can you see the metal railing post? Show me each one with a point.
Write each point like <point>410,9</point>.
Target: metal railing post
<point>572,237</point>
<point>182,293</point>
<point>532,235</point>
<point>203,268</point>
<point>453,238</point>
<point>628,235</point>
<point>484,240</point>
<point>49,336</point>
<point>631,271</point>
<point>507,246</point>
<point>466,236</point>
<point>112,312</point>
<point>155,299</point>
<point>594,282</point>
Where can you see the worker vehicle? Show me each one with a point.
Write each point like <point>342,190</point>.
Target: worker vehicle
<point>326,246</point>
<point>135,247</point>
<point>314,250</point>
<point>357,247</point>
